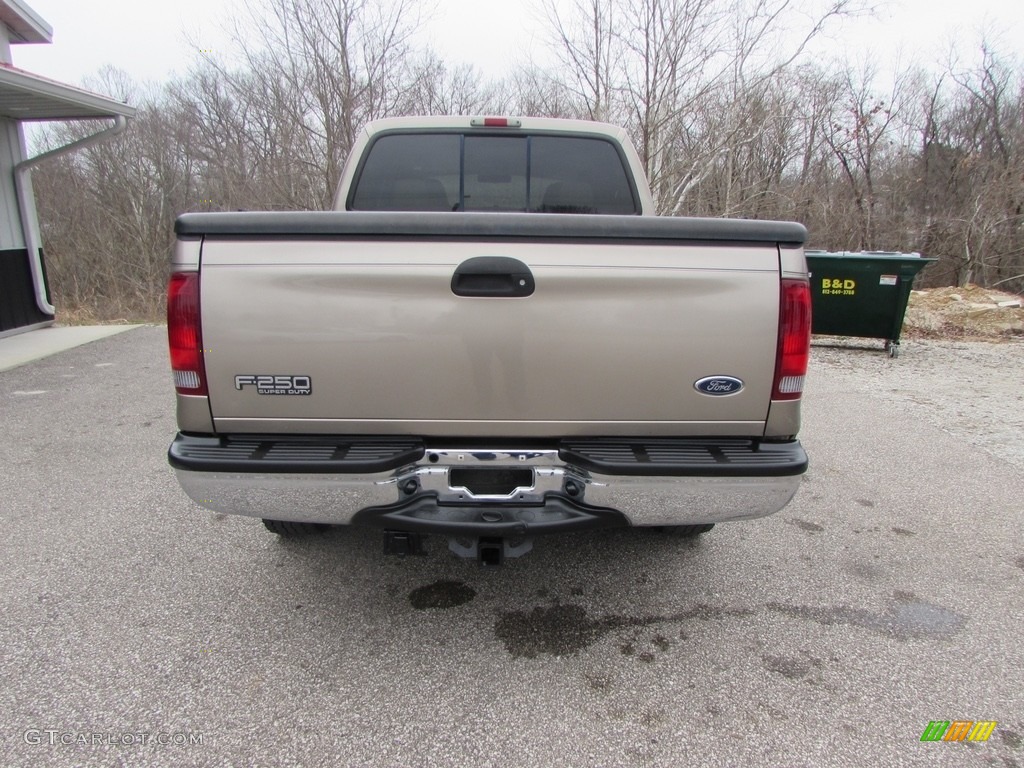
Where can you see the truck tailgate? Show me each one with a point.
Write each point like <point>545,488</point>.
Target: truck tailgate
<point>611,342</point>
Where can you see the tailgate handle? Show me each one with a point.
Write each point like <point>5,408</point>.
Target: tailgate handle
<point>497,276</point>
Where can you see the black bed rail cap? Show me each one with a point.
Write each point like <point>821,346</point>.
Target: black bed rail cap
<point>386,224</point>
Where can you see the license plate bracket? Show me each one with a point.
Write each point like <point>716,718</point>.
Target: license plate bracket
<point>498,481</point>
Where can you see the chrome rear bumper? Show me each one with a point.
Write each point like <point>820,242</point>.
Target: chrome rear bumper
<point>546,485</point>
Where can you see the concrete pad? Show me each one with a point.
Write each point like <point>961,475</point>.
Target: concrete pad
<point>35,345</point>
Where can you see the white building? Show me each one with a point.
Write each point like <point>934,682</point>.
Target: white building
<point>24,294</point>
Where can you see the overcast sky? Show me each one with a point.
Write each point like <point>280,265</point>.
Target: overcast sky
<point>149,39</point>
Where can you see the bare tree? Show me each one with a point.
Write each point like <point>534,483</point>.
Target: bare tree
<point>434,88</point>
<point>341,63</point>
<point>859,134</point>
<point>658,65</point>
<point>585,45</point>
<point>727,117</point>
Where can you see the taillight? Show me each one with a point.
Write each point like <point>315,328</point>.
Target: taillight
<point>794,340</point>
<point>184,335</point>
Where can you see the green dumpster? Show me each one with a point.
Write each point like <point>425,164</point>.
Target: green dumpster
<point>862,294</point>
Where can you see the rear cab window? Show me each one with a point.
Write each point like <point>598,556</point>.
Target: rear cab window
<point>461,171</point>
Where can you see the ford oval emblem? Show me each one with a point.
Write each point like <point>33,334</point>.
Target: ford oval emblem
<point>718,386</point>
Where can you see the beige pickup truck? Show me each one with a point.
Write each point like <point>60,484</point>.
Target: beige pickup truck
<point>492,337</point>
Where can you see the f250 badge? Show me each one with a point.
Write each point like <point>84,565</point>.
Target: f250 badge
<point>718,386</point>
<point>276,385</point>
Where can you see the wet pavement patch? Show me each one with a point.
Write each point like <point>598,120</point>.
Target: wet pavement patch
<point>599,683</point>
<point>563,630</point>
<point>441,594</point>
<point>805,667</point>
<point>560,630</point>
<point>918,618</point>
<point>908,619</point>
<point>1010,738</point>
<point>787,666</point>
<point>806,526</point>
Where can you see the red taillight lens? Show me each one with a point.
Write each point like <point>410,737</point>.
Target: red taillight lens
<point>184,335</point>
<point>794,340</point>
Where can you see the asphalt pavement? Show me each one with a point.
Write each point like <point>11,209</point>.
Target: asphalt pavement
<point>138,629</point>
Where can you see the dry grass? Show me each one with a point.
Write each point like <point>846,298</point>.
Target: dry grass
<point>970,313</point>
<point>107,313</point>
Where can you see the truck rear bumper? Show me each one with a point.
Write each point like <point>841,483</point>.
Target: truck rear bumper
<point>406,485</point>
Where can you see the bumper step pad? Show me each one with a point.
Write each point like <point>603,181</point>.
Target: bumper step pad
<point>308,455</point>
<point>720,457</point>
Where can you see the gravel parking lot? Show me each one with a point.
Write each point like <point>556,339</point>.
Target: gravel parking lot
<point>971,389</point>
<point>139,629</point>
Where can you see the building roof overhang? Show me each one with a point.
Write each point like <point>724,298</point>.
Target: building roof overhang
<point>23,23</point>
<point>26,96</point>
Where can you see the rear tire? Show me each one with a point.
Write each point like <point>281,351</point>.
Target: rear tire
<point>290,530</point>
<point>687,531</point>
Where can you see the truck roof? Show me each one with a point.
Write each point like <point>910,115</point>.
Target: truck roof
<point>562,125</point>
